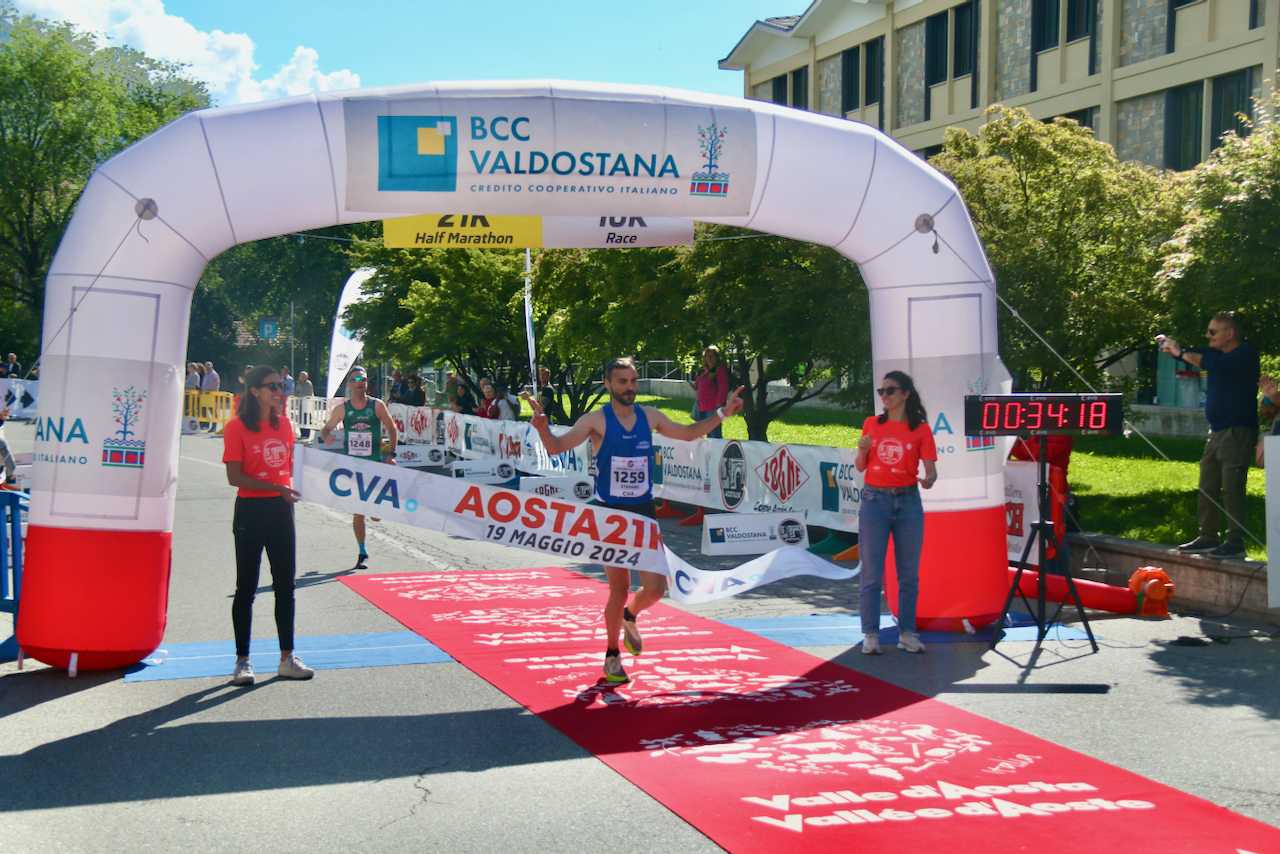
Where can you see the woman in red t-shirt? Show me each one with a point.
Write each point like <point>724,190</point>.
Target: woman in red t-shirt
<point>892,447</point>
<point>258,452</point>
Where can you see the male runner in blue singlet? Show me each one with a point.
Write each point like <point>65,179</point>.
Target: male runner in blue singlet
<point>621,436</point>
<point>365,421</point>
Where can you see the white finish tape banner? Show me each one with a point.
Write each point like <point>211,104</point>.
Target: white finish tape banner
<point>752,534</point>
<point>560,529</point>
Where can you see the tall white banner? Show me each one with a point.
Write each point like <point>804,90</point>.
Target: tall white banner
<point>561,529</point>
<point>344,347</point>
<point>1271,453</point>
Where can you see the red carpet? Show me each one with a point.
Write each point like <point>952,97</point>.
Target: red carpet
<point>760,746</point>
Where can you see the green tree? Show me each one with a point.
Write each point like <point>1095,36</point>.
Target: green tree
<point>1072,235</point>
<point>462,307</point>
<point>596,304</point>
<point>1227,255</point>
<point>780,309</point>
<point>66,105</point>
<point>308,270</point>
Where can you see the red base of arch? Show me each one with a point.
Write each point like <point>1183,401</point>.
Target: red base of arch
<point>964,570</point>
<point>101,594</point>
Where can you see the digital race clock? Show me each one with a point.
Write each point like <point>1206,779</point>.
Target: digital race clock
<point>1043,415</point>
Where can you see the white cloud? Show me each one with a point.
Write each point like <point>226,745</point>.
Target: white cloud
<point>223,60</point>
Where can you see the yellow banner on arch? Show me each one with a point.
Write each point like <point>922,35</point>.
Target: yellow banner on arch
<point>462,231</point>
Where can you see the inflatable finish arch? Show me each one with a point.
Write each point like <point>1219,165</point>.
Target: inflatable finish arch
<point>119,292</point>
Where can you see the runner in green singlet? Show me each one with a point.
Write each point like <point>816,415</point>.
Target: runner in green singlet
<point>363,420</point>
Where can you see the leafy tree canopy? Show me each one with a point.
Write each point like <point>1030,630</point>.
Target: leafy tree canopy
<point>1227,255</point>
<point>66,106</point>
<point>1072,235</point>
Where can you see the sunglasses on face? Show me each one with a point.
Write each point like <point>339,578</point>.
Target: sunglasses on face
<point>272,386</point>
<point>887,390</point>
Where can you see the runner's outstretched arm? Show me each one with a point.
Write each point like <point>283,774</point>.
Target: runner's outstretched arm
<point>688,432</point>
<point>579,433</point>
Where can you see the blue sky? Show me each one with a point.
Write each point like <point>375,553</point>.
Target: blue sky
<point>251,50</point>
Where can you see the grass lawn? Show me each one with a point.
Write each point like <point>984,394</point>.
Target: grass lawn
<point>1124,486</point>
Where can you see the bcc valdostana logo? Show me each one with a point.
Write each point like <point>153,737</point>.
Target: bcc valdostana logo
<point>418,153</point>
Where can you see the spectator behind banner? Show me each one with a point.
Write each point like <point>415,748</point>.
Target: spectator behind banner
<point>451,387</point>
<point>304,389</point>
<point>495,405</point>
<point>1058,457</point>
<point>509,407</point>
<point>192,382</point>
<point>399,390</point>
<point>287,383</point>
<point>549,398</point>
<point>464,402</point>
<point>13,368</point>
<point>711,388</point>
<point>416,396</point>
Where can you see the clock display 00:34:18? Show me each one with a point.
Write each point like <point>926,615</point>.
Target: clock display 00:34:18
<point>1044,415</point>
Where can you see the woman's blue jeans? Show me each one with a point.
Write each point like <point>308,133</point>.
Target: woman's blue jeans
<point>881,515</point>
<point>703,415</point>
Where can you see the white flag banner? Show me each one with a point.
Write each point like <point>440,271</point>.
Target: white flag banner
<point>562,529</point>
<point>1271,451</point>
<point>344,347</point>
<point>21,397</point>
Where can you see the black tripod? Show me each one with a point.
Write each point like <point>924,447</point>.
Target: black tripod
<point>1042,535</point>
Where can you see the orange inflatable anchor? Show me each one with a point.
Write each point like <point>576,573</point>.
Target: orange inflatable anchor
<point>1154,590</point>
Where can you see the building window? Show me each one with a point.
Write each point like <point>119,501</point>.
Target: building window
<point>1085,118</point>
<point>1079,19</point>
<point>1231,98</point>
<point>849,78</point>
<point>1183,111</point>
<point>963,41</point>
<point>875,71</point>
<point>935,49</point>
<point>780,89</point>
<point>930,151</point>
<point>800,88</point>
<point>1044,25</point>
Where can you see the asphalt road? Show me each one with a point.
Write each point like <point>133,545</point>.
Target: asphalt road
<point>432,758</point>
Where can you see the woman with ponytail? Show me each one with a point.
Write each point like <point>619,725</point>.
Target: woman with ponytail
<point>892,447</point>
<point>258,452</point>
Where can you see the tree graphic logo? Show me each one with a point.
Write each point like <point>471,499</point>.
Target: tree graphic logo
<point>709,181</point>
<point>122,451</point>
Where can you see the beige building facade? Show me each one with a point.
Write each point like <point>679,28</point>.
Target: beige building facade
<point>1160,80</point>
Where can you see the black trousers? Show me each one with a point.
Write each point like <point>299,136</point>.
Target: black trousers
<point>263,523</point>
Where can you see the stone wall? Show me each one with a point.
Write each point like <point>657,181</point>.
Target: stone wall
<point>830,80</point>
<point>910,79</point>
<point>1013,48</point>
<point>1140,129</point>
<point>1143,30</point>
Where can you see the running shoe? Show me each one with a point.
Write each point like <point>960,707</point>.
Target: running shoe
<point>613,671</point>
<point>1226,550</point>
<point>631,636</point>
<point>360,561</point>
<point>291,667</point>
<point>243,674</point>
<point>1199,545</point>
<point>870,644</point>
<point>910,641</point>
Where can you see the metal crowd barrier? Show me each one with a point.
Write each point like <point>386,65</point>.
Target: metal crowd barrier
<point>11,506</point>
<point>210,407</point>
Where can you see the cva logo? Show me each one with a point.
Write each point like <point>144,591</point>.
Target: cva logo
<point>385,488</point>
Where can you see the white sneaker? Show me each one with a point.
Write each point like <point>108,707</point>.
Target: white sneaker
<point>910,641</point>
<point>243,674</point>
<point>870,644</point>
<point>631,637</point>
<point>291,667</point>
